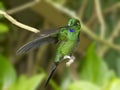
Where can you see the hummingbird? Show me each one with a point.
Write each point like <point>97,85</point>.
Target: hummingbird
<point>66,39</point>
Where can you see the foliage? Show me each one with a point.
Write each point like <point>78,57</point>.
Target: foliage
<point>3,28</point>
<point>8,78</point>
<point>27,83</point>
<point>95,72</point>
<point>94,68</point>
<point>83,85</point>
<point>7,73</point>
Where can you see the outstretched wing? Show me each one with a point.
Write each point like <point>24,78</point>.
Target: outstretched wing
<point>34,44</point>
<point>45,37</point>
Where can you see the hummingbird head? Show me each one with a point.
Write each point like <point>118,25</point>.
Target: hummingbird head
<point>73,31</point>
<point>74,22</point>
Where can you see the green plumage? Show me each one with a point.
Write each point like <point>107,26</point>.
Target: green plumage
<point>67,42</point>
<point>66,38</point>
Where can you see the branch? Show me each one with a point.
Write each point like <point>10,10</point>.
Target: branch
<point>63,9</point>
<point>82,9</point>
<point>84,28</point>
<point>95,37</point>
<point>12,20</point>
<point>23,7</point>
<point>105,11</point>
<point>100,18</point>
<point>112,8</point>
<point>114,34</point>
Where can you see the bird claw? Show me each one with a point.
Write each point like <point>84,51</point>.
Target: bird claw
<point>70,59</point>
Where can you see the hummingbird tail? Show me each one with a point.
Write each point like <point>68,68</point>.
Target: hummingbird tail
<point>52,70</point>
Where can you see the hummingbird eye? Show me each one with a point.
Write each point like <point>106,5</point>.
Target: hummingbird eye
<point>71,30</point>
<point>76,23</point>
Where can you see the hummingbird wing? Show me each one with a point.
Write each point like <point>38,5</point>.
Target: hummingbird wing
<point>34,44</point>
<point>50,32</point>
<point>45,37</point>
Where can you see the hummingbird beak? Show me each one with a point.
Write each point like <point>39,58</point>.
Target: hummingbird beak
<point>52,70</point>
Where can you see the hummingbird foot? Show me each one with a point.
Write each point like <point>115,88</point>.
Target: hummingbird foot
<point>70,60</point>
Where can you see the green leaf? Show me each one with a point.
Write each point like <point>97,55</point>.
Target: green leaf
<point>25,83</point>
<point>82,85</point>
<point>3,28</point>
<point>94,68</point>
<point>7,73</point>
<point>113,85</point>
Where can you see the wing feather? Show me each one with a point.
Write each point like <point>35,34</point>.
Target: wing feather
<point>34,44</point>
<point>44,37</point>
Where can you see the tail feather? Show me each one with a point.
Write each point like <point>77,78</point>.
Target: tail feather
<point>52,70</point>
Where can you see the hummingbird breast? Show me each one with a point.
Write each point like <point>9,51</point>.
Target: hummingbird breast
<point>64,48</point>
<point>68,40</point>
<point>67,47</point>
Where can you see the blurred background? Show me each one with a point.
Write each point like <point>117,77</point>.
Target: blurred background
<point>97,64</point>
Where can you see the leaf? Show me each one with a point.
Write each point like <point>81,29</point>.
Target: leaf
<point>113,85</point>
<point>7,73</point>
<point>25,83</point>
<point>94,68</point>
<point>82,85</point>
<point>35,81</point>
<point>3,28</point>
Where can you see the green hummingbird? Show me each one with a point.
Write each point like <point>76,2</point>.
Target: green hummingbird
<point>66,39</point>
